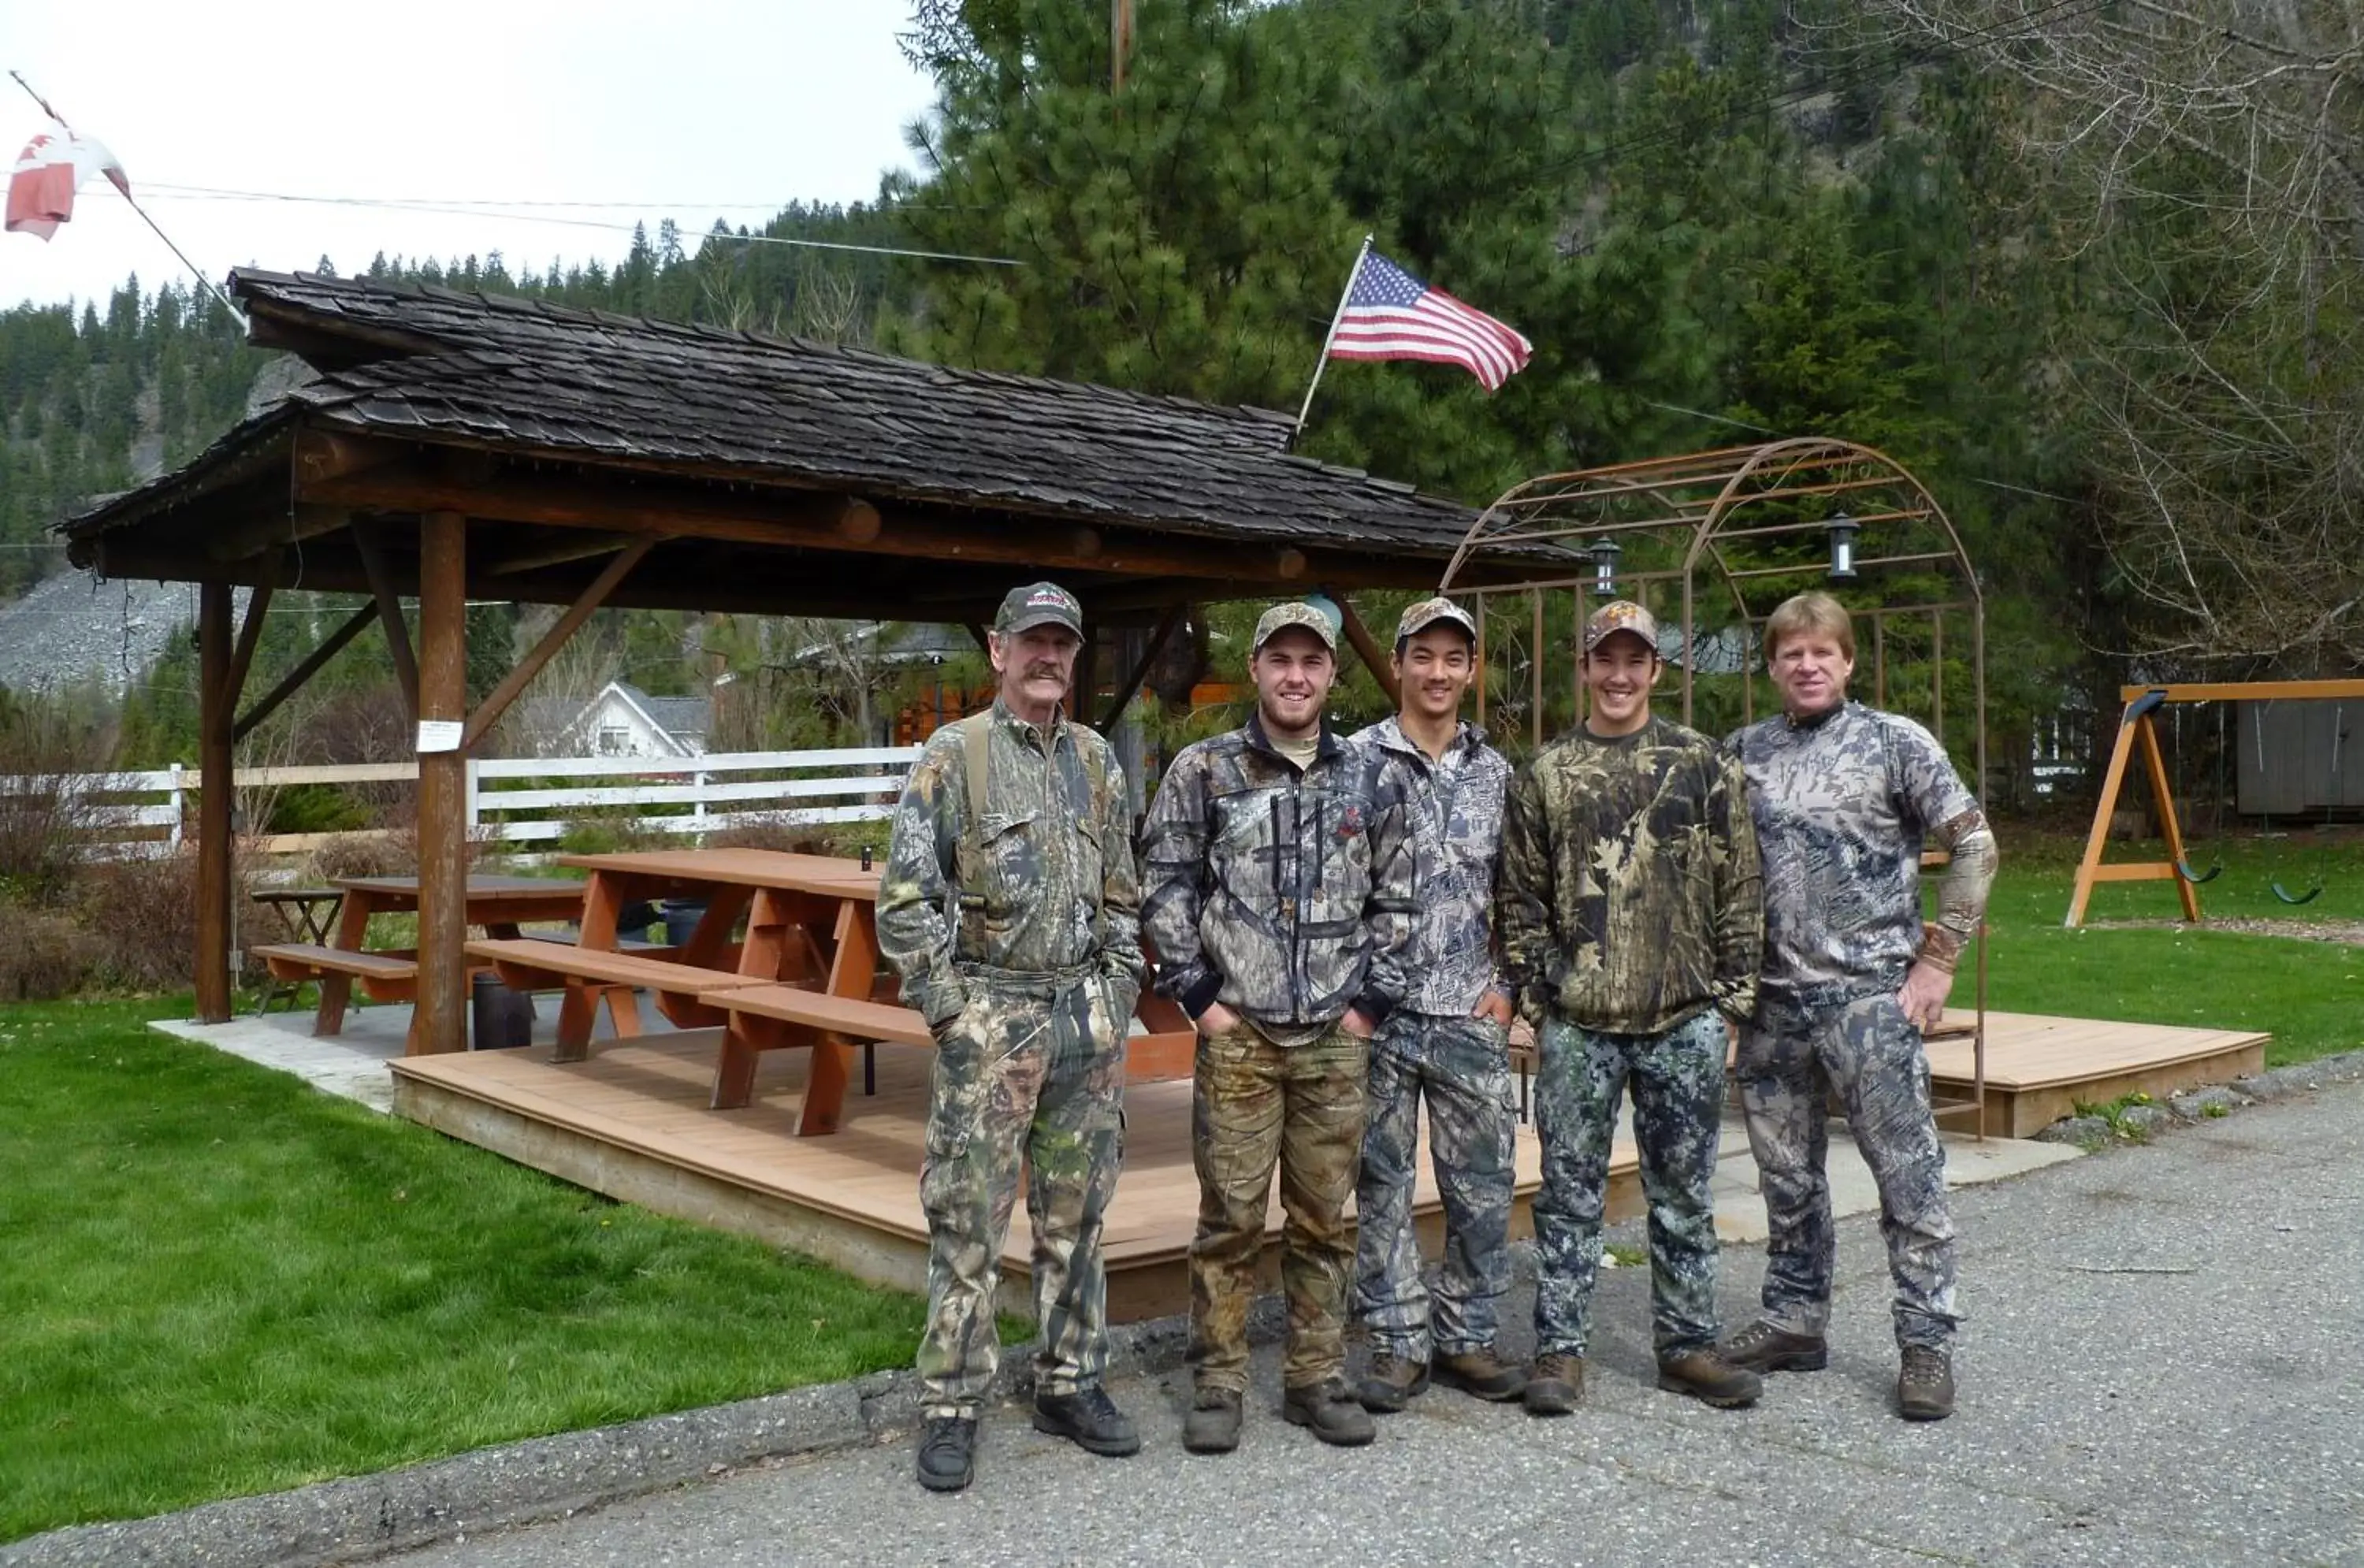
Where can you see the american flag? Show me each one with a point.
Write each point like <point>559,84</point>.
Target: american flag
<point>1390,314</point>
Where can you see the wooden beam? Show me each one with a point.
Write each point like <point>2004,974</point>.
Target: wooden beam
<point>496,702</point>
<point>976,635</point>
<point>559,552</point>
<point>821,521</point>
<point>442,1022</point>
<point>1079,698</point>
<point>1166,626</point>
<point>2249,691</point>
<point>1375,657</point>
<point>320,456</point>
<point>217,787</point>
<point>294,681</point>
<point>249,635</point>
<point>267,530</point>
<point>2170,828</point>
<point>389,610</point>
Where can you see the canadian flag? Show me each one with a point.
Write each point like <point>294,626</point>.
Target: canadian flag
<point>48,171</point>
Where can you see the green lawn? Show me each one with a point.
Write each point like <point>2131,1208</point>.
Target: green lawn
<point>2308,994</point>
<point>217,1281</point>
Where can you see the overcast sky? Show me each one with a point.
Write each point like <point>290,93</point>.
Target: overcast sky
<point>691,109</point>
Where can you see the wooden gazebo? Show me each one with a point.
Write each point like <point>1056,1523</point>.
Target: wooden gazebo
<point>459,445</point>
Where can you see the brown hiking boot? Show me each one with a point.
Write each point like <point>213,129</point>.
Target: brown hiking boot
<point>1924,1386</point>
<point>1555,1386</point>
<point>1712,1380</point>
<point>1213,1424</point>
<point>1762,1348</point>
<point>1334,1414</point>
<point>1480,1372</point>
<point>1390,1382</point>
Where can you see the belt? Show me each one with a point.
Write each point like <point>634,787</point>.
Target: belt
<point>1029,982</point>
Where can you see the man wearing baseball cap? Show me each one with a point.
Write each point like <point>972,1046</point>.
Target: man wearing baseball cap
<point>1277,884</point>
<point>1009,906</point>
<point>1631,929</point>
<point>1448,1043</point>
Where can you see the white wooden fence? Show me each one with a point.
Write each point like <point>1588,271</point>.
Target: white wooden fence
<point>519,800</point>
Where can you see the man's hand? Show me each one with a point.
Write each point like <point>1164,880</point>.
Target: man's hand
<point>1217,1020</point>
<point>1494,1006</point>
<point>1354,1024</point>
<point>1926,986</point>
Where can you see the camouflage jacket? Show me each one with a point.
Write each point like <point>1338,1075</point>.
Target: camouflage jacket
<point>1286,896</point>
<point>1455,814</point>
<point>1630,891</point>
<point>1058,890</point>
<point>1844,803</point>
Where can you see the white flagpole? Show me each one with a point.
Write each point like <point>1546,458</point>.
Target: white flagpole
<point>204,282</point>
<point>1331,337</point>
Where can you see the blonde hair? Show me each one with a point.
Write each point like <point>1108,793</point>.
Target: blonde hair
<point>1809,612</point>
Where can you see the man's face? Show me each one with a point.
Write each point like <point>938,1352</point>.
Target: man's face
<point>1292,671</point>
<point>1036,665</point>
<point>1811,672</point>
<point>1434,668</point>
<point>1620,672</point>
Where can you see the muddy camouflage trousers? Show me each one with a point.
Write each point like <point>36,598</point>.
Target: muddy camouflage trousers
<point>1256,1105</point>
<point>1462,1066</point>
<point>1031,1069</point>
<point>1872,1057</point>
<point>1678,1081</point>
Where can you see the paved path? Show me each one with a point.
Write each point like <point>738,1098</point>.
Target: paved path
<point>2165,1364</point>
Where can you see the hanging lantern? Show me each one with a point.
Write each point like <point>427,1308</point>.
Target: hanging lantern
<point>1605,551</point>
<point>1842,532</point>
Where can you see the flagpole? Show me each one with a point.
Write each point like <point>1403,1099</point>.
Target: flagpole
<point>124,189</point>
<point>1329,337</point>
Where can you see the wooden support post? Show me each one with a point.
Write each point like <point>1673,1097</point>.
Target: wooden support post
<point>488,713</point>
<point>389,606</point>
<point>295,680</point>
<point>1367,646</point>
<point>442,1021</point>
<point>1079,698</point>
<point>2170,827</point>
<point>1535,669</point>
<point>2089,868</point>
<point>1167,624</point>
<point>1879,659</point>
<point>217,784</point>
<point>249,634</point>
<point>1937,676</point>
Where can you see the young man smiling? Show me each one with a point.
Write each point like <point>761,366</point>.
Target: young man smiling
<point>1631,931</point>
<point>1448,1043</point>
<point>1277,884</point>
<point>1845,798</point>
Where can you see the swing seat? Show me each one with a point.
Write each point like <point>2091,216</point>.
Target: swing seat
<point>2294,899</point>
<point>2199,878</point>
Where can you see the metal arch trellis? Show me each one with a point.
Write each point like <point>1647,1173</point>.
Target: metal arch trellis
<point>1741,512</point>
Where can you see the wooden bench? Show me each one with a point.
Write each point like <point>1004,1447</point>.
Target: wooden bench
<point>586,974</point>
<point>773,1017</point>
<point>384,975</point>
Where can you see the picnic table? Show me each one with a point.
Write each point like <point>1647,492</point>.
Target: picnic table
<point>499,903</point>
<point>805,974</point>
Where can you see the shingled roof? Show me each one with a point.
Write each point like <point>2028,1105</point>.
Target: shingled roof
<point>533,378</point>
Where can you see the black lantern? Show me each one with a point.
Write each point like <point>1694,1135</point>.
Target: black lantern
<point>1605,551</point>
<point>1843,530</point>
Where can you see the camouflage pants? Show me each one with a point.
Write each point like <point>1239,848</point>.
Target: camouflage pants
<point>1678,1080</point>
<point>1872,1056</point>
<point>1463,1066</point>
<point>1032,1072</point>
<point>1257,1105</point>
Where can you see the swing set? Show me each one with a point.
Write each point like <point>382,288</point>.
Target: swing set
<point>2138,731</point>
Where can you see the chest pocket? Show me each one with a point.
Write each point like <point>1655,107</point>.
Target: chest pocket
<point>1335,839</point>
<point>1013,859</point>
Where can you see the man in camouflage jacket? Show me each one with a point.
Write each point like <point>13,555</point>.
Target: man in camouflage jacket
<point>1278,885</point>
<point>1631,929</point>
<point>1013,919</point>
<point>1448,1043</point>
<point>1844,798</point>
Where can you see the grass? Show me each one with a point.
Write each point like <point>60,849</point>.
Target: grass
<point>215,1281</point>
<point>2310,994</point>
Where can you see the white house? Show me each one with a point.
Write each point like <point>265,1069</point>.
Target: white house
<point>625,721</point>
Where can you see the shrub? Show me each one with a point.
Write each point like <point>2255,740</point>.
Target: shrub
<point>43,954</point>
<point>140,916</point>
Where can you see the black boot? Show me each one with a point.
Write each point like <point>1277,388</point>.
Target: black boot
<point>1089,1419</point>
<point>947,1452</point>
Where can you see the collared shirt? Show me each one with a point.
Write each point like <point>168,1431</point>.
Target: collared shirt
<point>1455,804</point>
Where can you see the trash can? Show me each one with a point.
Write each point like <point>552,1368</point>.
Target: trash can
<point>498,1017</point>
<point>681,917</point>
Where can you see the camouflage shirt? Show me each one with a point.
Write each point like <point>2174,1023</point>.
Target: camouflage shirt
<point>1630,891</point>
<point>1454,808</point>
<point>1843,803</point>
<point>1057,885</point>
<point>1286,896</point>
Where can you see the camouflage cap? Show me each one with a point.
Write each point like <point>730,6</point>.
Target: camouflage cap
<point>1419,617</point>
<point>1039,604</point>
<point>1280,617</point>
<point>1620,615</point>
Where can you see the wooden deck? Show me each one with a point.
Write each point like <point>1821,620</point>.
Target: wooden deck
<point>2040,1068</point>
<point>632,1122</point>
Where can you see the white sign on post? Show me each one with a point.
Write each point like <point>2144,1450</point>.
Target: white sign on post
<point>439,735</point>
